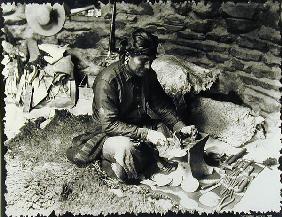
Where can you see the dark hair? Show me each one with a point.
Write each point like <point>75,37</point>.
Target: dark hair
<point>142,43</point>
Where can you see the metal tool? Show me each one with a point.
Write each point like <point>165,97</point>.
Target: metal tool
<point>210,188</point>
<point>221,204</point>
<point>242,185</point>
<point>235,157</point>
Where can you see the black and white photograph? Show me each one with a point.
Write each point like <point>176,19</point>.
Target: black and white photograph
<point>114,107</point>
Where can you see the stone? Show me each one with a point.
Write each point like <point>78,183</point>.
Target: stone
<point>206,45</point>
<point>270,93</point>
<point>78,26</point>
<point>252,44</point>
<point>182,8</point>
<point>85,58</point>
<point>187,34</point>
<point>271,60</point>
<point>201,26</point>
<point>220,34</point>
<point>156,29</point>
<point>203,62</point>
<point>218,57</point>
<point>227,82</point>
<point>275,49</point>
<point>245,54</point>
<point>127,18</point>
<point>206,9</point>
<point>173,28</point>
<point>127,8</point>
<point>87,40</point>
<point>234,64</point>
<point>8,8</point>
<point>239,26</point>
<point>67,37</point>
<point>270,34</point>
<point>174,20</point>
<point>270,16</point>
<point>260,70</point>
<point>262,82</point>
<point>241,10</point>
<point>255,99</point>
<point>182,51</point>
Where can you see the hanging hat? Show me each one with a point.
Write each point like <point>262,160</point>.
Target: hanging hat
<point>45,19</point>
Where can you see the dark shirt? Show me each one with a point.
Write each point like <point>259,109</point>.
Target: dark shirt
<point>123,102</point>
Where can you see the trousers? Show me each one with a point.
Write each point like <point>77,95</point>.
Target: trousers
<point>145,155</point>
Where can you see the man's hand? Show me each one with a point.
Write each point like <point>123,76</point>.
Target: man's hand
<point>156,137</point>
<point>190,131</point>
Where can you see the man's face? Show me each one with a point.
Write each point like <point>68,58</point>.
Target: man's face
<point>140,64</point>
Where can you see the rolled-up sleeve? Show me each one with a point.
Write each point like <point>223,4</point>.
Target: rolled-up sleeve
<point>106,101</point>
<point>163,105</point>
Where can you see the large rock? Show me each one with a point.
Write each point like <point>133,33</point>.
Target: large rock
<point>173,19</point>
<point>79,23</point>
<point>246,54</point>
<point>201,26</point>
<point>203,62</point>
<point>269,93</point>
<point>182,8</point>
<point>241,10</point>
<point>275,49</point>
<point>178,76</point>
<point>260,70</point>
<point>218,57</point>
<point>239,26</point>
<point>260,101</point>
<point>207,45</point>
<point>206,9</point>
<point>252,44</point>
<point>265,83</point>
<point>226,121</point>
<point>220,34</point>
<point>187,34</point>
<point>85,59</point>
<point>270,34</point>
<point>270,16</point>
<point>233,65</point>
<point>127,18</point>
<point>271,60</point>
<point>173,28</point>
<point>182,51</point>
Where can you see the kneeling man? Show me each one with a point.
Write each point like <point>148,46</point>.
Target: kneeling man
<point>132,112</point>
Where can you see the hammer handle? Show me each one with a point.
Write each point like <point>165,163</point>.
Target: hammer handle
<point>236,156</point>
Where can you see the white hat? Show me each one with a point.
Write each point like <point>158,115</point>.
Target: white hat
<point>45,19</point>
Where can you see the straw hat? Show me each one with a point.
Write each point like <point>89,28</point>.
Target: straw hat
<point>45,19</point>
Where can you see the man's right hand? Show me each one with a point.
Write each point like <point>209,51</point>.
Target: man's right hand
<point>156,137</point>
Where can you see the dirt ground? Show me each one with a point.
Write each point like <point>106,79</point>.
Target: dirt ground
<point>40,179</point>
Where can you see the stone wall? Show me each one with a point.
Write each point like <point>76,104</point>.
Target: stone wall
<point>242,39</point>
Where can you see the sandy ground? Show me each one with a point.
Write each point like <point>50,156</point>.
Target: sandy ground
<point>262,195</point>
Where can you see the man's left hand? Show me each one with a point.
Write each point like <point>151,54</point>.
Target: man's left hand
<point>190,131</point>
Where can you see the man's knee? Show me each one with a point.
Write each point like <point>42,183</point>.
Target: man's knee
<point>114,145</point>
